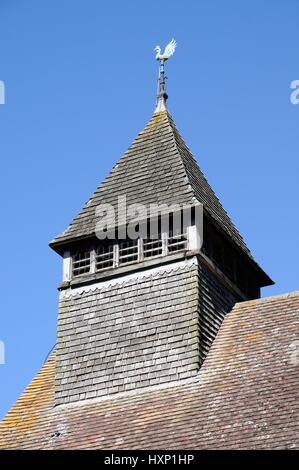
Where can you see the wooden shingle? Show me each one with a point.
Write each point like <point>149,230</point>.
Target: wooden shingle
<point>246,396</point>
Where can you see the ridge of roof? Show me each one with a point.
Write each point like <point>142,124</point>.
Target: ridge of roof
<point>200,185</point>
<point>270,298</point>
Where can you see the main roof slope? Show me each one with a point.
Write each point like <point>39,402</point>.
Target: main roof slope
<point>246,396</point>
<point>157,168</point>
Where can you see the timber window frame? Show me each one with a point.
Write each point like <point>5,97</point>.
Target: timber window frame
<point>81,262</point>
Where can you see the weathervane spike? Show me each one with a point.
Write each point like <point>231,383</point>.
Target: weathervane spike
<point>162,95</point>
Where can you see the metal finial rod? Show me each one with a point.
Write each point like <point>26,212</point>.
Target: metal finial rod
<point>162,83</point>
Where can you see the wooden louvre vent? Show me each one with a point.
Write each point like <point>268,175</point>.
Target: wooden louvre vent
<point>114,254</point>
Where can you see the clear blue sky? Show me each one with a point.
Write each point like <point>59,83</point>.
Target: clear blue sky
<point>80,81</point>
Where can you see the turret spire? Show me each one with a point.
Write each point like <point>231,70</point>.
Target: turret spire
<point>162,95</point>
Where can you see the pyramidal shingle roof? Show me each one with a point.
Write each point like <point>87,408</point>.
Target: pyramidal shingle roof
<point>157,168</point>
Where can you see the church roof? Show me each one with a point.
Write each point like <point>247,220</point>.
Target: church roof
<point>158,168</point>
<point>245,396</point>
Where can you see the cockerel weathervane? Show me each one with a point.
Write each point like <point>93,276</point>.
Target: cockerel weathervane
<point>162,95</point>
<point>168,52</point>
